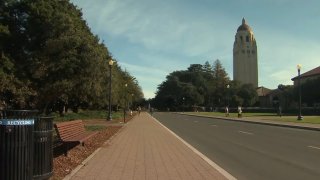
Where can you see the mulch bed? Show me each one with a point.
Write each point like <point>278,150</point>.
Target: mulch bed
<point>63,165</point>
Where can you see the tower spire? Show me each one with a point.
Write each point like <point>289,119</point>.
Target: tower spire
<point>243,21</point>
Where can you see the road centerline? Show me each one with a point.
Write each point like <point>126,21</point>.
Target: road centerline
<point>244,132</point>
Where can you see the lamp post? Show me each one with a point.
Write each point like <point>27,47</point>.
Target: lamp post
<point>110,86</point>
<point>299,88</point>
<point>131,101</point>
<point>125,103</point>
<point>183,104</point>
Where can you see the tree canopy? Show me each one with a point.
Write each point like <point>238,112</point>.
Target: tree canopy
<point>50,58</point>
<point>202,85</point>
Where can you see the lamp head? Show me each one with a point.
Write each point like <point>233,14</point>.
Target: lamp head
<point>111,62</point>
<point>299,67</point>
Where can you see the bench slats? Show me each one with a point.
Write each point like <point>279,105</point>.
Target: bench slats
<point>72,131</point>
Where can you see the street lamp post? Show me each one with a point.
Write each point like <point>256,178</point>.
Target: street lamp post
<point>299,88</point>
<point>183,104</point>
<point>131,101</point>
<point>125,103</point>
<point>110,86</point>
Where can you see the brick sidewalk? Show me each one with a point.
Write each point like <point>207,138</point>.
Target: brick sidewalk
<point>143,149</point>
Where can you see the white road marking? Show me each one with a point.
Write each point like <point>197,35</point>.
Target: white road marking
<point>314,147</point>
<point>213,125</point>
<point>195,121</point>
<point>244,132</point>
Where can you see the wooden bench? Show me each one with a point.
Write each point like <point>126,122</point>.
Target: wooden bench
<point>72,133</point>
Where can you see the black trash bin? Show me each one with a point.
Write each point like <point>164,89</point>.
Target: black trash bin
<point>43,155</point>
<point>16,144</point>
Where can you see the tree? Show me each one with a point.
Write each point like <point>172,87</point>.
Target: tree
<point>220,82</point>
<point>248,94</point>
<point>309,92</point>
<point>50,60</point>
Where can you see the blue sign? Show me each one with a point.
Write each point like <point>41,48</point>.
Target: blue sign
<point>16,122</point>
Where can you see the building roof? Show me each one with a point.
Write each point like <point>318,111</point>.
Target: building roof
<point>244,26</point>
<point>262,91</point>
<point>312,72</point>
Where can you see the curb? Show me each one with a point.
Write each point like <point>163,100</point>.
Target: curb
<point>205,158</point>
<point>257,122</point>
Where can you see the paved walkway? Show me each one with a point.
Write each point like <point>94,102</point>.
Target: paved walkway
<point>143,149</point>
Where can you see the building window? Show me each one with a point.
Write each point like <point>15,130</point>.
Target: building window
<point>248,51</point>
<point>253,52</point>
<point>241,38</point>
<point>243,51</point>
<point>247,38</point>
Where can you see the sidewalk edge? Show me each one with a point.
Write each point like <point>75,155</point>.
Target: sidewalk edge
<point>205,158</point>
<point>257,122</point>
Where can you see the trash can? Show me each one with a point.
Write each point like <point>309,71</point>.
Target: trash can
<point>16,144</point>
<point>43,154</point>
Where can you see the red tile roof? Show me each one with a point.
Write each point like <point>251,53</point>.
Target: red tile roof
<point>313,72</point>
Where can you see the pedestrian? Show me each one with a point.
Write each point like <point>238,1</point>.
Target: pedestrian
<point>280,111</point>
<point>239,112</point>
<point>227,111</point>
<point>139,110</point>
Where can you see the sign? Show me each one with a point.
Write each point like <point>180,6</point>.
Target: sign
<point>16,122</point>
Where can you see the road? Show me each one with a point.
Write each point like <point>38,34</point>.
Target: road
<point>250,151</point>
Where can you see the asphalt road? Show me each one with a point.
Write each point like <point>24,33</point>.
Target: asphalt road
<point>250,151</point>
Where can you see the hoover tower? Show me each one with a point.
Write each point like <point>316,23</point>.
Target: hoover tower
<point>245,58</point>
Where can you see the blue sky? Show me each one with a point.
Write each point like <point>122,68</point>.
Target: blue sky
<point>152,38</point>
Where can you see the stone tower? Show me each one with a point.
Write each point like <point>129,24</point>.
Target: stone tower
<point>245,59</point>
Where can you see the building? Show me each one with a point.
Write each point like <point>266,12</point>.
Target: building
<point>309,75</point>
<point>245,58</point>
<point>264,98</point>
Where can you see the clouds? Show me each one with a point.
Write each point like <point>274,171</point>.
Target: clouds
<point>158,25</point>
<point>152,38</point>
<point>279,53</point>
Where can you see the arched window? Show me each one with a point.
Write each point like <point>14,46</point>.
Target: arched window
<point>247,38</point>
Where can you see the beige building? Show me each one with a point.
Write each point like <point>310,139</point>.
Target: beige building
<point>245,59</point>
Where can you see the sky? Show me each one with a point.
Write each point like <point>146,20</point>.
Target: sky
<point>152,38</point>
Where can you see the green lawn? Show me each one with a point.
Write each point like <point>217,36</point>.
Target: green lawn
<point>95,127</point>
<point>89,114</point>
<point>263,116</point>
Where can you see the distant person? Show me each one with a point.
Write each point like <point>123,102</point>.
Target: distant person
<point>139,110</point>
<point>239,112</point>
<point>280,111</point>
<point>227,111</point>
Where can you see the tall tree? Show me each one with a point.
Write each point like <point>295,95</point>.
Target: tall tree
<point>220,81</point>
<point>50,58</point>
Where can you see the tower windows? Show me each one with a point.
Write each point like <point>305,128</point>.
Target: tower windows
<point>241,38</point>
<point>247,38</point>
